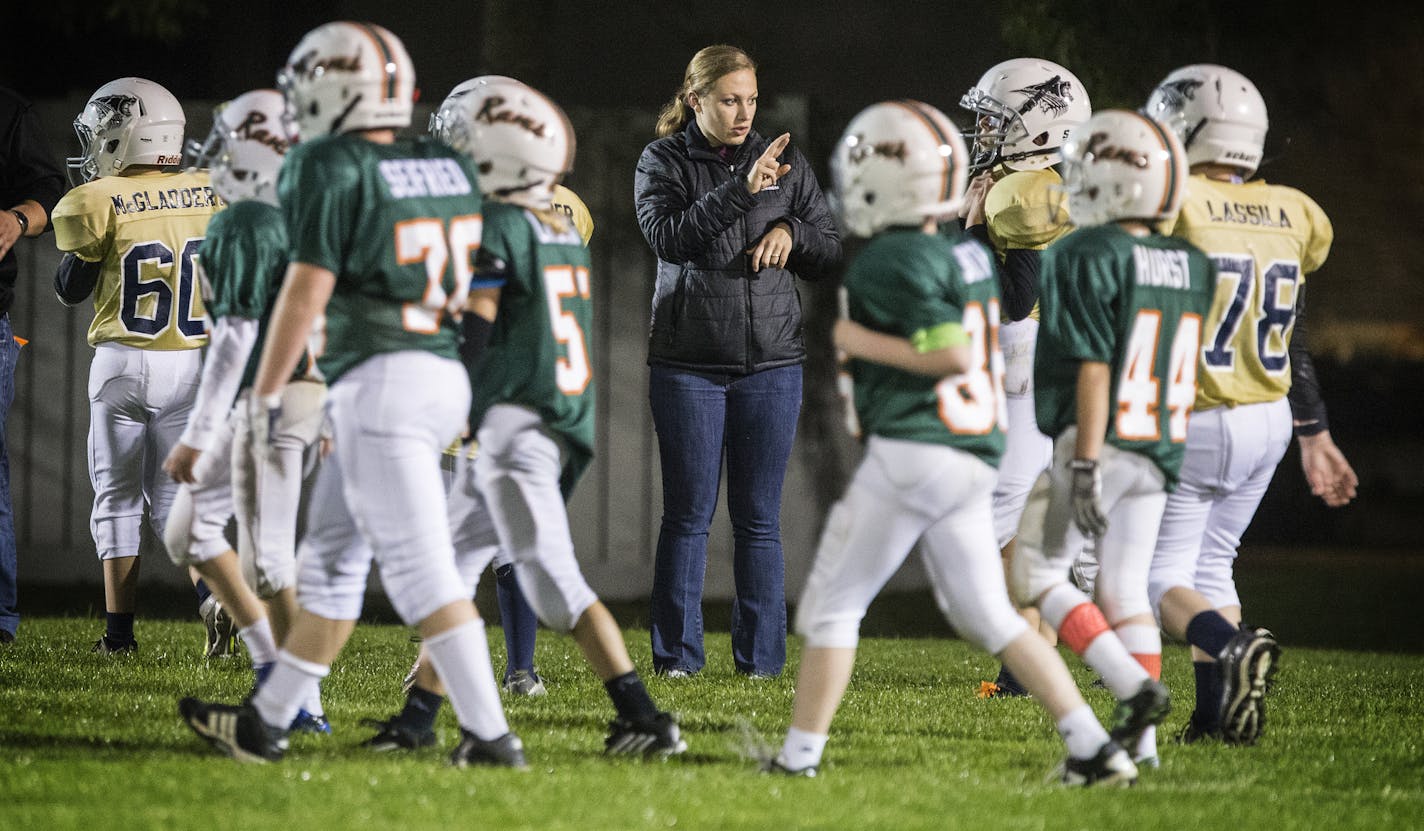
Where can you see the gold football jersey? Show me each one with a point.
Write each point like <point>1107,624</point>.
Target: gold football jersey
<point>569,204</point>
<point>1026,209</point>
<point>1263,239</point>
<point>145,230</point>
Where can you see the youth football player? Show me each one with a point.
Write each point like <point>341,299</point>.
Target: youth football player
<point>924,310</point>
<point>130,235</point>
<point>1023,110</point>
<point>1257,386</point>
<point>527,348</point>
<point>383,233</point>
<point>1114,381</point>
<point>241,263</point>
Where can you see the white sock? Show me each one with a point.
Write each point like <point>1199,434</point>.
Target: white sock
<point>261,646</point>
<point>1146,746</point>
<point>1121,672</point>
<point>313,703</point>
<point>1082,732</point>
<point>287,688</point>
<point>801,749</point>
<point>461,656</point>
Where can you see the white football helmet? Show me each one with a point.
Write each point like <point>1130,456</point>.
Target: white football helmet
<point>443,119</point>
<point>246,145</point>
<point>127,122</point>
<point>1123,165</point>
<point>520,140</point>
<point>897,163</point>
<point>348,76</point>
<point>1025,107</point>
<point>1216,112</point>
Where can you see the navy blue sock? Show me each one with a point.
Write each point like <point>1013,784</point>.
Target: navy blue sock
<point>1209,632</point>
<point>421,707</point>
<point>1007,683</point>
<point>201,587</point>
<point>118,626</point>
<point>1208,695</point>
<point>517,618</point>
<point>630,697</point>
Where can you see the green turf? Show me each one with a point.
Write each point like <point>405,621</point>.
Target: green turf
<point>95,743</point>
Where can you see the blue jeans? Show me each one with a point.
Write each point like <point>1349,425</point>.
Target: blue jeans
<point>9,606</point>
<point>752,418</point>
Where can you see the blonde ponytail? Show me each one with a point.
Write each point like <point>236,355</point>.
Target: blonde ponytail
<point>703,71</point>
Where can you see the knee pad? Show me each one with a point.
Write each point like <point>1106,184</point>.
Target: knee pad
<point>335,590</point>
<point>1031,573</point>
<point>828,631</point>
<point>420,581</point>
<point>190,537</point>
<point>989,623</point>
<point>558,597</point>
<point>116,537</point>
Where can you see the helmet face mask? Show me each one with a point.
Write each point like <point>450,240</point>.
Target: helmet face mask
<point>128,121</point>
<point>898,163</point>
<point>344,77</point>
<point>521,142</point>
<point>1121,165</point>
<point>1025,108</point>
<point>246,146</point>
<point>1217,112</point>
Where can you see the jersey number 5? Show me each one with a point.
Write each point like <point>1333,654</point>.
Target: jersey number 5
<point>572,372</point>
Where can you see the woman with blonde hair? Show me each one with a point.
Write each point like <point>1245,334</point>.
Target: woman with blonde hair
<point>733,218</point>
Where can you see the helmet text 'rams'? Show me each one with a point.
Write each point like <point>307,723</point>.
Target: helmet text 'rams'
<point>893,150</point>
<point>1099,148</point>
<point>490,113</point>
<point>251,129</point>
<point>310,65</point>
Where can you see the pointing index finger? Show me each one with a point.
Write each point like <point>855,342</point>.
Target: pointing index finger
<point>775,149</point>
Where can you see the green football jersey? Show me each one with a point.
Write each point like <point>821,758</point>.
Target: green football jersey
<point>539,351</point>
<point>937,291</point>
<point>1136,304</point>
<point>398,224</point>
<point>242,261</point>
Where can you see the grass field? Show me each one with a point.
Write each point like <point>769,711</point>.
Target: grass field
<point>95,743</point>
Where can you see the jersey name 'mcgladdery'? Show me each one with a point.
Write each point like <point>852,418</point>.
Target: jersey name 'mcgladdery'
<point>413,178</point>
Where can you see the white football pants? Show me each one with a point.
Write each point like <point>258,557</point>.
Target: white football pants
<point>905,491</point>
<point>272,485</point>
<point>139,401</point>
<point>379,495</point>
<point>512,487</point>
<point>1027,452</point>
<point>1133,494</point>
<point>1232,453</point>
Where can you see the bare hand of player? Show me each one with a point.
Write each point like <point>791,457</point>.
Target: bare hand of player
<point>180,463</point>
<point>768,169</point>
<point>1330,476</point>
<point>774,248</point>
<point>974,196</point>
<point>845,334</point>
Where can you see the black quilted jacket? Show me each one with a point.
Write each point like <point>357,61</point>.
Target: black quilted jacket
<point>711,312</point>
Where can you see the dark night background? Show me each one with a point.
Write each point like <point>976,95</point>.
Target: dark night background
<point>1345,86</point>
